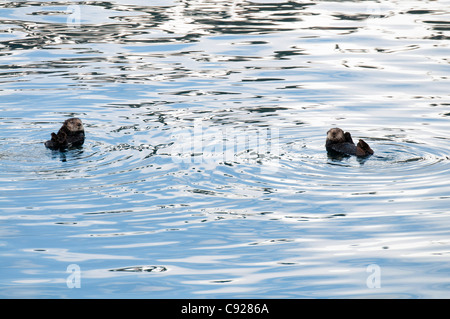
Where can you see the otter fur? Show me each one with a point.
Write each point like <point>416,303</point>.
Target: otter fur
<point>71,134</point>
<point>340,143</point>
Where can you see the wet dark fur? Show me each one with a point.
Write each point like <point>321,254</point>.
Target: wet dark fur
<point>340,143</point>
<point>71,134</point>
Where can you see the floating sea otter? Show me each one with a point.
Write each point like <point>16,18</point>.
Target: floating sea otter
<point>71,134</point>
<point>340,143</point>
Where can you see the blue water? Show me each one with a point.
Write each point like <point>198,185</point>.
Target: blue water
<point>204,172</point>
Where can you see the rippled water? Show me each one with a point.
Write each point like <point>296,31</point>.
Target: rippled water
<point>204,172</point>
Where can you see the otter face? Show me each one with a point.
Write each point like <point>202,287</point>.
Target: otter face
<point>74,125</point>
<point>336,135</point>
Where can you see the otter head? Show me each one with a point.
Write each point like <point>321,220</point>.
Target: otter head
<point>336,135</point>
<point>74,125</point>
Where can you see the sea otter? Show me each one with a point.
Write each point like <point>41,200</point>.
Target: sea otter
<point>71,134</point>
<point>340,143</point>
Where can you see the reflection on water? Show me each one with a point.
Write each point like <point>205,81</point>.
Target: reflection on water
<point>204,172</point>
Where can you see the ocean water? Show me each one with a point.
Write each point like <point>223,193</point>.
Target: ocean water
<point>204,172</point>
